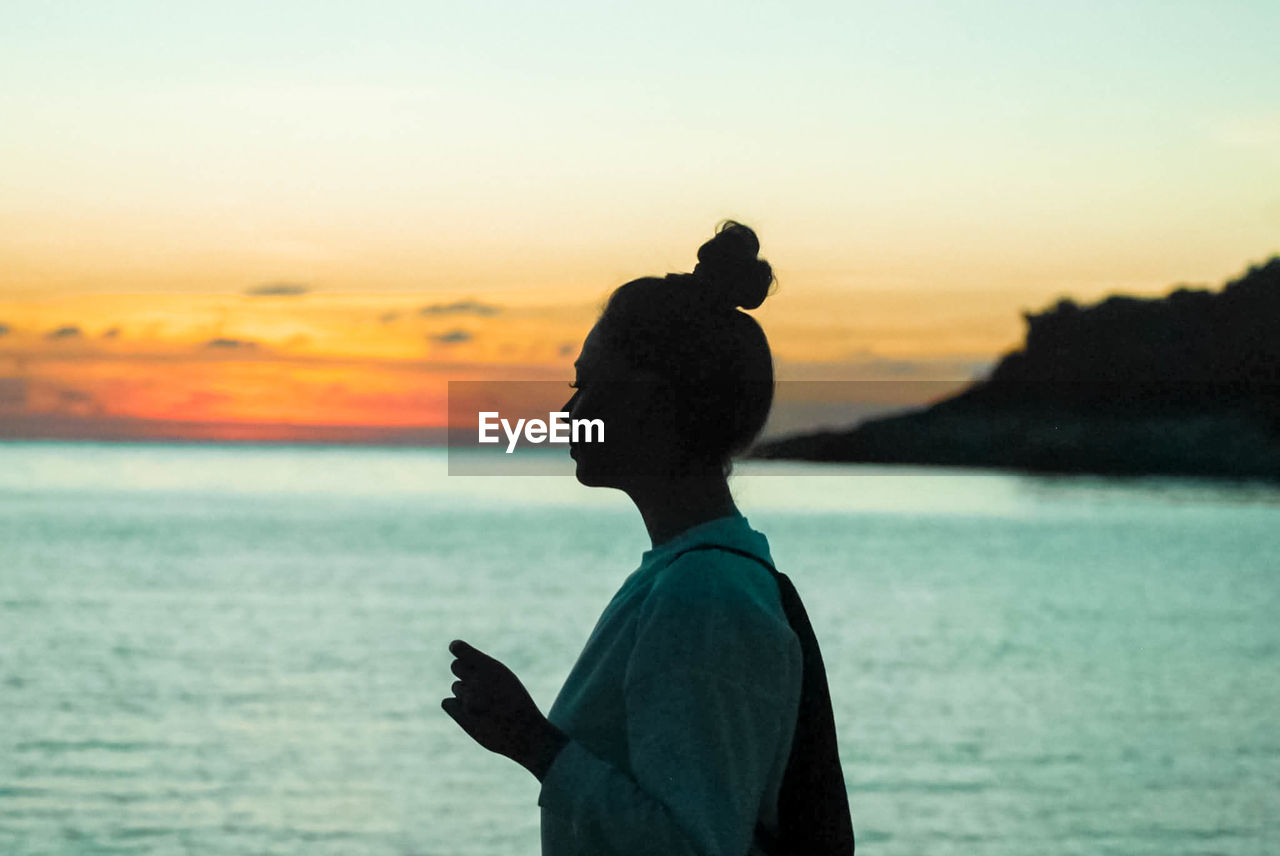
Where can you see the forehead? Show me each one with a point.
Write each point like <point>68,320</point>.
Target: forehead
<point>599,358</point>
<point>594,354</point>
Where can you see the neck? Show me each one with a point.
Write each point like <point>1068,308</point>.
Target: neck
<point>670,505</point>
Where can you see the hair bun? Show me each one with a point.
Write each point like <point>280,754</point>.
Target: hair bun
<point>730,270</point>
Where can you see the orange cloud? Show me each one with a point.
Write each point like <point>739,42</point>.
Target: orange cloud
<point>461,307</point>
<point>452,337</point>
<point>277,289</point>
<point>67,331</point>
<point>218,365</point>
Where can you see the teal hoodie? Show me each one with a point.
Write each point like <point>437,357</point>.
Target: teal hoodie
<point>680,709</point>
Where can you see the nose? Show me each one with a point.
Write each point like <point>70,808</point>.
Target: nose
<point>567,407</point>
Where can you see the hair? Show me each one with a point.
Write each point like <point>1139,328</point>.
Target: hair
<point>713,359</point>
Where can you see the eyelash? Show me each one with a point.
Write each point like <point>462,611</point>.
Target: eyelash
<point>573,386</point>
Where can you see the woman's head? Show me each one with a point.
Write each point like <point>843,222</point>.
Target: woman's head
<point>689,370</point>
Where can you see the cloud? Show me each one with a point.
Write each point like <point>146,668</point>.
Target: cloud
<point>113,333</point>
<point>230,344</point>
<point>13,393</point>
<point>896,368</point>
<point>277,289</point>
<point>566,349</point>
<point>461,307</point>
<point>78,403</point>
<point>866,366</point>
<point>452,337</point>
<point>388,317</point>
<point>67,331</point>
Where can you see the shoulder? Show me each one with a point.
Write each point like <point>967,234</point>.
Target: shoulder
<point>717,587</point>
<point>716,575</point>
<point>719,613</point>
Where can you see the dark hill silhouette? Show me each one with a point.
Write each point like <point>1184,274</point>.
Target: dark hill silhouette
<point>1186,384</point>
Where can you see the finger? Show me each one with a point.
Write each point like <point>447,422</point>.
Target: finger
<point>473,699</point>
<point>457,647</point>
<point>459,714</point>
<point>462,713</point>
<point>463,668</point>
<point>466,652</point>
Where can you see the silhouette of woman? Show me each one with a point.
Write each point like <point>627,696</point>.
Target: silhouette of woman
<point>675,728</point>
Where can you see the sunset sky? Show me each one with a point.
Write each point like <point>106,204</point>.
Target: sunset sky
<point>299,220</point>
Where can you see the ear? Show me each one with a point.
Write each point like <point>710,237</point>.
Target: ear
<point>654,396</point>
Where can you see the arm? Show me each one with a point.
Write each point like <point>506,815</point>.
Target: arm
<point>705,692</point>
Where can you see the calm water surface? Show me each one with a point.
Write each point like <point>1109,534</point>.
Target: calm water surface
<point>242,650</point>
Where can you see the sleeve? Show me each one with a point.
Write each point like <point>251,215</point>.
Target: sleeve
<point>704,691</point>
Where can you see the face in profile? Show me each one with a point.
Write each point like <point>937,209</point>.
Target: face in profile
<point>629,403</point>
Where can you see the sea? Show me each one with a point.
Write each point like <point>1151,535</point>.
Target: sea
<point>237,649</point>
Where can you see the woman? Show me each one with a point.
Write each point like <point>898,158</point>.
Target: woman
<point>674,730</point>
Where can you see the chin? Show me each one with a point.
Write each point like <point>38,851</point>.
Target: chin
<point>592,476</point>
<point>586,477</point>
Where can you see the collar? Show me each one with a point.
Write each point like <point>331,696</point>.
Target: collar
<point>732,530</point>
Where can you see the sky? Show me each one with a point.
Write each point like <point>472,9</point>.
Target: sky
<point>301,220</point>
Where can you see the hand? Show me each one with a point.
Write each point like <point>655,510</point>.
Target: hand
<point>492,706</point>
